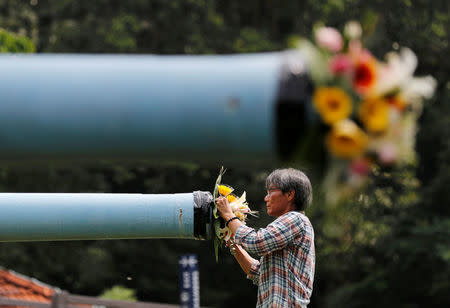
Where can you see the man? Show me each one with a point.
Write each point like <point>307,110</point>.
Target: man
<point>285,271</point>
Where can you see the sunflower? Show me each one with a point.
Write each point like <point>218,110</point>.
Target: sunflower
<point>225,190</point>
<point>232,198</point>
<point>332,103</point>
<point>346,139</point>
<point>374,114</point>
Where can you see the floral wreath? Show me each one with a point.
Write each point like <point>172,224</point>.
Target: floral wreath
<point>370,107</point>
<point>238,205</point>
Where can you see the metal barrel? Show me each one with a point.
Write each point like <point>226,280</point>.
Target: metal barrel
<point>86,216</point>
<point>149,106</point>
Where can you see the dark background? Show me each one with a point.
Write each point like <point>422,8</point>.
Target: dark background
<point>389,247</point>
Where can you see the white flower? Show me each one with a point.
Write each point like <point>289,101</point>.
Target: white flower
<point>419,87</point>
<point>222,233</point>
<point>404,63</point>
<point>397,144</point>
<point>397,74</point>
<point>317,61</point>
<point>353,30</point>
<point>398,71</point>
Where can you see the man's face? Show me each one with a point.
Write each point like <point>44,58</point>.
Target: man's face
<point>277,202</point>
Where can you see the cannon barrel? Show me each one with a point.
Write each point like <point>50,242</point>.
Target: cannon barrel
<point>236,107</point>
<point>85,216</point>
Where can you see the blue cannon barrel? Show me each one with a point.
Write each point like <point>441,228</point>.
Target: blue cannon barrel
<point>84,216</point>
<point>148,106</point>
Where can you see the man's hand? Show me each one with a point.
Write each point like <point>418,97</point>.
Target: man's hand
<point>224,208</point>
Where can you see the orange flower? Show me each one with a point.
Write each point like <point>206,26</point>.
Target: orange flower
<point>346,140</point>
<point>365,74</point>
<point>374,114</point>
<point>332,103</point>
<point>397,102</point>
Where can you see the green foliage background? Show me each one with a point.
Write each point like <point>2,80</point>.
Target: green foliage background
<point>389,247</point>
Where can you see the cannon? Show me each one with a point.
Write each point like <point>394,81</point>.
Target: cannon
<point>196,108</point>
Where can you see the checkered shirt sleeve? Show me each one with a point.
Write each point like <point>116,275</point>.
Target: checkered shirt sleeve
<point>253,275</point>
<point>275,236</point>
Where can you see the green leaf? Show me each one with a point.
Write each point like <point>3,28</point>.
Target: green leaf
<point>217,241</point>
<point>216,191</point>
<point>216,248</point>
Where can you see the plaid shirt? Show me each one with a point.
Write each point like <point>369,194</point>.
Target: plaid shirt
<point>285,272</point>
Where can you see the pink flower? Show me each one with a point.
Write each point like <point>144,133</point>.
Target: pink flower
<point>357,52</point>
<point>387,154</point>
<point>355,48</point>
<point>360,167</point>
<point>340,64</point>
<point>329,38</point>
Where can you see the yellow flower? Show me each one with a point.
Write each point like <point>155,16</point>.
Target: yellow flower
<point>225,190</point>
<point>346,139</point>
<point>232,198</point>
<point>332,103</point>
<point>374,114</point>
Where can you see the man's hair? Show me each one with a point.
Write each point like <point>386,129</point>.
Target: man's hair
<point>292,179</point>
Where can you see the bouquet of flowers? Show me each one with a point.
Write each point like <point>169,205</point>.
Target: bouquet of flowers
<point>239,206</point>
<point>370,107</point>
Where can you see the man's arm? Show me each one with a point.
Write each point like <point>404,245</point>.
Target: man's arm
<point>249,265</point>
<point>243,258</point>
<point>275,236</point>
<point>224,208</point>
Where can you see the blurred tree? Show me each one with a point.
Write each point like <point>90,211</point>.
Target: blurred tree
<point>10,42</point>
<point>387,248</point>
<point>119,293</point>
